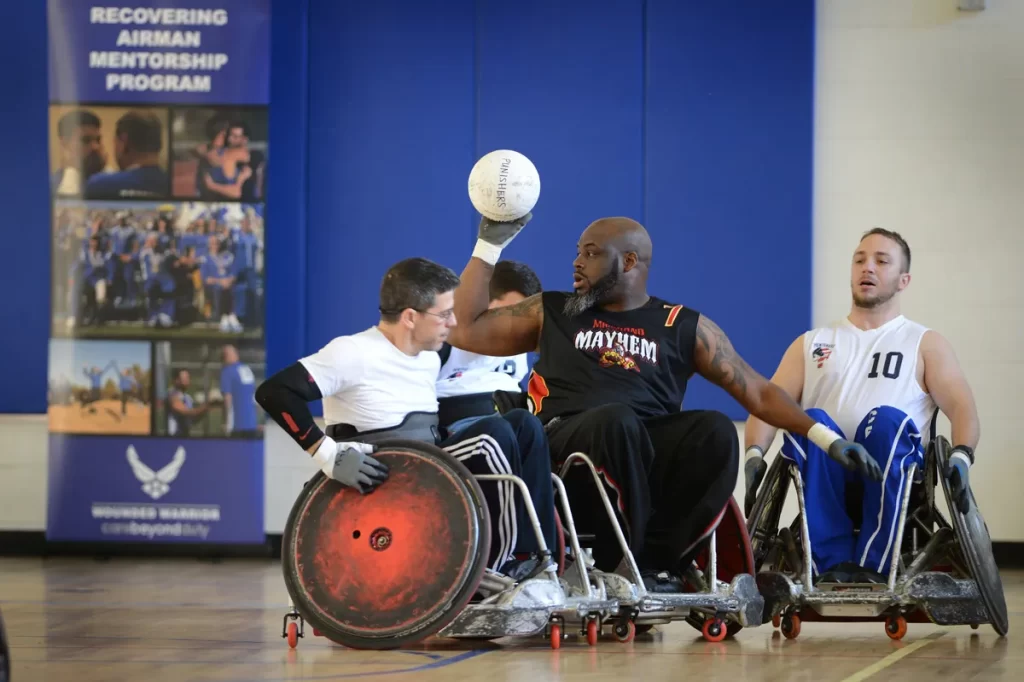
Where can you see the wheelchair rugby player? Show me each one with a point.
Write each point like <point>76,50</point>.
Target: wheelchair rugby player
<point>608,385</point>
<point>881,378</point>
<point>399,508</point>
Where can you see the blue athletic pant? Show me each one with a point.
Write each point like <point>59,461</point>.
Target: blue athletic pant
<point>892,438</point>
<point>514,443</point>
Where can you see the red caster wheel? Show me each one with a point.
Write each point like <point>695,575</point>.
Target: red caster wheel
<point>791,626</point>
<point>556,636</point>
<point>714,630</point>
<point>293,634</point>
<point>896,627</point>
<point>625,632</point>
<point>317,633</point>
<point>776,620</point>
<point>592,632</point>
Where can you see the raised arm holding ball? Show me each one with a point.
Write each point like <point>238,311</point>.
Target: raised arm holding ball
<point>613,368</point>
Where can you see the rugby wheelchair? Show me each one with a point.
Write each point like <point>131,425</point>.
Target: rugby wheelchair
<point>944,573</point>
<point>718,608</point>
<point>407,562</point>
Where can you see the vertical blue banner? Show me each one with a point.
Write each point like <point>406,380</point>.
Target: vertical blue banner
<point>159,148</point>
<point>160,51</point>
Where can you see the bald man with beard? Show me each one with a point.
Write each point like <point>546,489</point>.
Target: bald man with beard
<point>613,369</point>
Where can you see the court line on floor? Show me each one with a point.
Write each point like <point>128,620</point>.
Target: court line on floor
<point>881,664</point>
<point>433,665</point>
<point>261,644</point>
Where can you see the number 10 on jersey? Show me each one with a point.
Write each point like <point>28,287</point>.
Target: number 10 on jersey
<point>890,368</point>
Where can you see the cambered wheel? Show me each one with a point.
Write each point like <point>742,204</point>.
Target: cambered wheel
<point>763,519</point>
<point>391,568</point>
<point>560,543</point>
<point>975,544</point>
<point>734,557</point>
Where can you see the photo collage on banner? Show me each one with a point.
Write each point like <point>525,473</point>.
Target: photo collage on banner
<point>158,148</point>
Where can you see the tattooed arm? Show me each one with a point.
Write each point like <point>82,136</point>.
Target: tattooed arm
<point>718,362</point>
<point>504,331</point>
<point>789,376</point>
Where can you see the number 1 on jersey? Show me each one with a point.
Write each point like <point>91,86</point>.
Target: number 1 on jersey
<point>891,368</point>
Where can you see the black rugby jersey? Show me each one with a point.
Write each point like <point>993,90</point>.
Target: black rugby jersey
<point>641,357</point>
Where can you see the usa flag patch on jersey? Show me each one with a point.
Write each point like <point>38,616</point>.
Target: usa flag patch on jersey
<point>821,353</point>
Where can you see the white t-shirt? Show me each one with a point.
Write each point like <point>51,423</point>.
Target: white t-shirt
<point>466,373</point>
<point>370,384</point>
<point>850,371</point>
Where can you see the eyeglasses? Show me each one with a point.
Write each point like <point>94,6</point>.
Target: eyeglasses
<point>444,314</point>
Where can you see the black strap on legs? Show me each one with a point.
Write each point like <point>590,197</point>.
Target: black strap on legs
<point>421,426</point>
<point>454,408</point>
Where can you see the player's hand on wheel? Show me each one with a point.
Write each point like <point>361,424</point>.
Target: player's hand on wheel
<point>352,465</point>
<point>957,469</point>
<point>501,234</point>
<point>753,473</point>
<point>854,457</point>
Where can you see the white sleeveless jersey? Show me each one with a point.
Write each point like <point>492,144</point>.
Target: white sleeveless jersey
<point>465,373</point>
<point>850,371</point>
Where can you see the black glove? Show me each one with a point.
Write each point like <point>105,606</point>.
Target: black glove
<point>501,234</point>
<point>854,457</point>
<point>957,469</point>
<point>753,471</point>
<point>495,236</point>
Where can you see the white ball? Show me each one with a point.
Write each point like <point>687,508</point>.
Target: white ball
<point>504,185</point>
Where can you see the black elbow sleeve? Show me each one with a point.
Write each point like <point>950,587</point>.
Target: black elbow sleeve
<point>285,397</point>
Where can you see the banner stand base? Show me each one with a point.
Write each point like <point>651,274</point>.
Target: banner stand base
<point>35,544</point>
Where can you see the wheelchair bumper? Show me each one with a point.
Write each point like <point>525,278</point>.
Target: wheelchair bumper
<point>525,610</point>
<point>739,601</point>
<point>938,597</point>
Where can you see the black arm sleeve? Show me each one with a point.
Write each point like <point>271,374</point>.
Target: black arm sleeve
<point>445,352</point>
<point>285,397</point>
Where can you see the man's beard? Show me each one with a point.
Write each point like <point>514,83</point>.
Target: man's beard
<point>577,303</point>
<point>880,298</point>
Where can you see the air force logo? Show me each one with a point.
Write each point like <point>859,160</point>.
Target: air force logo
<point>156,484</point>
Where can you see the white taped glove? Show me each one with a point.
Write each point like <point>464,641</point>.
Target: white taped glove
<point>494,236</point>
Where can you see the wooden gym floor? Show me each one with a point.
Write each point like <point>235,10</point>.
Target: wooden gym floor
<point>125,620</point>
